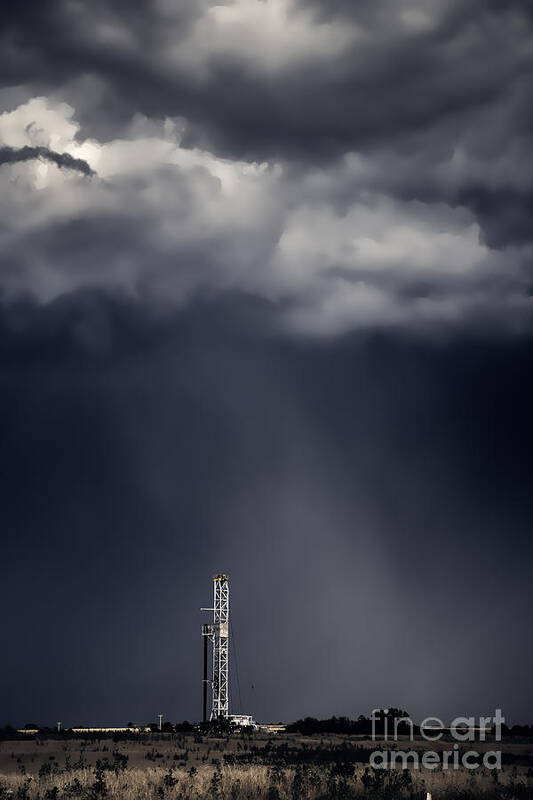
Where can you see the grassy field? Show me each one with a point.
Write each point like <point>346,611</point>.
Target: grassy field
<point>282,767</point>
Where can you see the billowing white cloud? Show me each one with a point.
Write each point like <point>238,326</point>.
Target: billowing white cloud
<point>39,123</point>
<point>161,222</point>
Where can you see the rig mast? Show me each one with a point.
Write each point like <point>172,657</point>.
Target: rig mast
<point>218,634</point>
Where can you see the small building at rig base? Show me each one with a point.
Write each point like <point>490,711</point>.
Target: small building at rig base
<point>242,720</point>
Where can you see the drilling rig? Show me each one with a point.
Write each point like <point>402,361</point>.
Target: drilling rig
<point>218,634</point>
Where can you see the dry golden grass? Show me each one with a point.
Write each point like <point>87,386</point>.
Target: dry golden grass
<point>193,768</point>
<point>247,783</point>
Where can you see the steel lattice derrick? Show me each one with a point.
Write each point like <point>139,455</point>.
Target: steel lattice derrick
<point>218,634</point>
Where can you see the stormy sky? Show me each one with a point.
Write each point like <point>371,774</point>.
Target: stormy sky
<point>266,307</point>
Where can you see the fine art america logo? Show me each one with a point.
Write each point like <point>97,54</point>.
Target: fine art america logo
<point>461,755</point>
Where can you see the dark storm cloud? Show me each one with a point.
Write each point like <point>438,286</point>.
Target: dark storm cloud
<point>285,333</point>
<point>409,65</point>
<point>370,500</point>
<point>13,155</point>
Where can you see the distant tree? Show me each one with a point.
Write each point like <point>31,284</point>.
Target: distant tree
<point>518,730</point>
<point>8,732</point>
<point>387,717</point>
<point>362,725</point>
<point>167,727</point>
<point>184,727</point>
